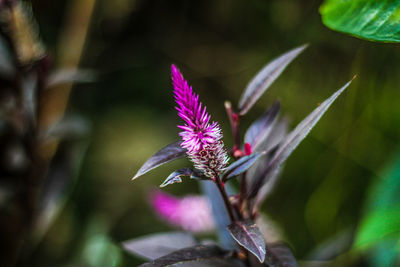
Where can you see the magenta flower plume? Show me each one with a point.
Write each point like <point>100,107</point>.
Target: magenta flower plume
<point>202,139</point>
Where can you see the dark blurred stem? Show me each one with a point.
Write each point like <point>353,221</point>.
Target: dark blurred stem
<point>228,205</point>
<point>243,190</point>
<point>234,121</point>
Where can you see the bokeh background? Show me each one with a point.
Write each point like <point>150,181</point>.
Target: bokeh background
<point>219,45</point>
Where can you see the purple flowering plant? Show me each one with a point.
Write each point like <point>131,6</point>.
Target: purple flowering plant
<point>256,161</point>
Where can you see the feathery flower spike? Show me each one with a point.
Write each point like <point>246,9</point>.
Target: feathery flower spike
<point>202,139</point>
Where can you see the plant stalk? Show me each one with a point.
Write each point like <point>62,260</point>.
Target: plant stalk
<point>225,197</point>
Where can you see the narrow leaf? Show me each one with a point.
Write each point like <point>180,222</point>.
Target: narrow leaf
<point>279,255</point>
<point>158,245</point>
<point>247,234</point>
<point>293,140</point>
<point>240,166</point>
<point>260,83</point>
<point>170,152</point>
<point>261,128</point>
<point>187,255</point>
<point>175,177</point>
<point>368,19</point>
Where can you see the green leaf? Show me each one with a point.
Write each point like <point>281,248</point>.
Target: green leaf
<point>377,226</point>
<point>379,229</point>
<point>375,20</point>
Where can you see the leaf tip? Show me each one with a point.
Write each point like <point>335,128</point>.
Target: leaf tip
<point>135,177</point>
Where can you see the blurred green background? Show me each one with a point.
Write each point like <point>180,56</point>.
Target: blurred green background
<point>219,45</point>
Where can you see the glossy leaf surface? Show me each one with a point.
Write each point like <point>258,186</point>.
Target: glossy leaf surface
<point>368,19</point>
<point>247,234</point>
<point>267,75</point>
<point>166,154</point>
<point>240,166</point>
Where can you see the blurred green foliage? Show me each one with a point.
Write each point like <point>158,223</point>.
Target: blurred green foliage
<point>219,45</point>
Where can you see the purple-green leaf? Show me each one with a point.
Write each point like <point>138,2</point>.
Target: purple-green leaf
<point>175,177</point>
<point>279,255</point>
<point>261,128</point>
<point>240,166</point>
<point>158,245</point>
<point>247,234</point>
<point>260,83</point>
<point>187,255</point>
<point>293,140</point>
<point>168,153</point>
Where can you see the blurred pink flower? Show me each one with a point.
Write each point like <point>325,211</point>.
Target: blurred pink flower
<point>192,213</point>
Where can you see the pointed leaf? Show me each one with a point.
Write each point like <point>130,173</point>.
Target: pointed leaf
<point>220,214</point>
<point>158,245</point>
<point>187,255</point>
<point>168,153</point>
<point>175,177</point>
<point>240,166</point>
<point>279,255</point>
<point>247,234</point>
<point>261,128</point>
<point>260,83</point>
<point>294,139</point>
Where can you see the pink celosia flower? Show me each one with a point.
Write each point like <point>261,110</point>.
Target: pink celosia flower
<point>192,213</point>
<point>201,138</point>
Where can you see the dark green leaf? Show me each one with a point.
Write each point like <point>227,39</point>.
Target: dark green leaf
<point>377,20</point>
<point>260,83</point>
<point>247,234</point>
<point>262,127</point>
<point>158,245</point>
<point>293,140</point>
<point>168,153</point>
<point>240,166</point>
<point>175,177</point>
<point>187,255</point>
